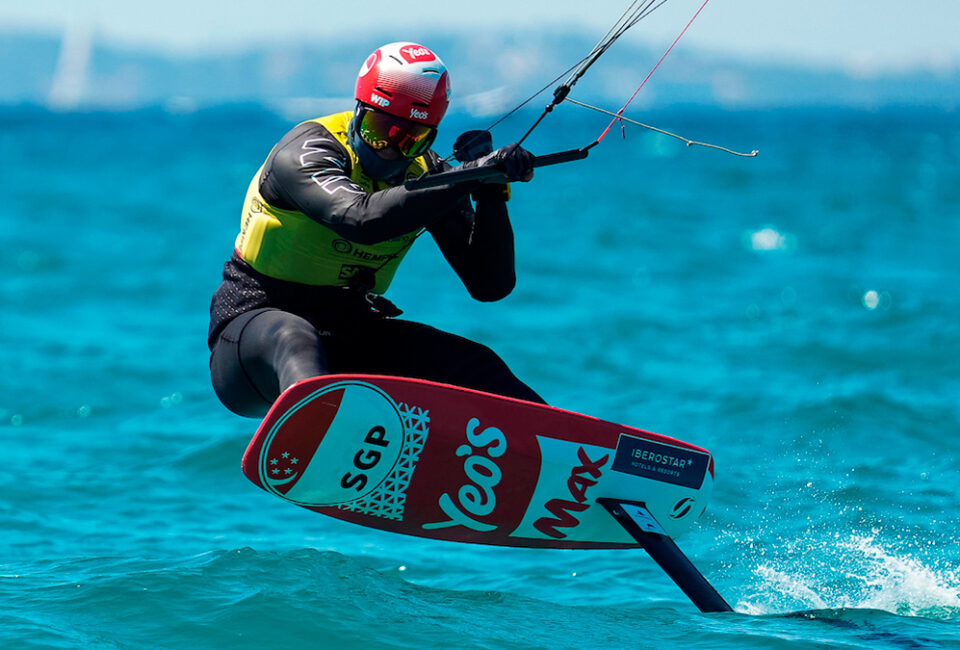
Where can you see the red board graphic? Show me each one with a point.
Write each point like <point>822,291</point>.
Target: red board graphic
<point>432,460</point>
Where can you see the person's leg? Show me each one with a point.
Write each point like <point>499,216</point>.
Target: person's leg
<point>260,354</point>
<point>408,349</point>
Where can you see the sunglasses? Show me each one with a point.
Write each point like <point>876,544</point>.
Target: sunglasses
<point>382,131</point>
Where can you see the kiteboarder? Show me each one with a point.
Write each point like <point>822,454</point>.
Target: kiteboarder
<point>325,223</point>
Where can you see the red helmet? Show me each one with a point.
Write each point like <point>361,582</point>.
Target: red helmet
<point>405,80</point>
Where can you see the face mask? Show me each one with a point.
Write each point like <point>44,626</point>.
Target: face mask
<point>373,165</point>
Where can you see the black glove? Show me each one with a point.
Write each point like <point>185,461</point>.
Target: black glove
<point>472,145</point>
<point>514,161</point>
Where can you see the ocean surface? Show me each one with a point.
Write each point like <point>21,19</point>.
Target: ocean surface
<point>797,314</point>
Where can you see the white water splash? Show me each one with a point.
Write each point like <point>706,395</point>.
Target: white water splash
<point>796,587</point>
<point>902,584</point>
<point>865,576</point>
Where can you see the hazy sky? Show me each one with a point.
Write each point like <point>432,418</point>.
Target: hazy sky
<point>862,33</point>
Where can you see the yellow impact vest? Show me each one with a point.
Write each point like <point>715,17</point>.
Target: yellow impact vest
<point>289,245</point>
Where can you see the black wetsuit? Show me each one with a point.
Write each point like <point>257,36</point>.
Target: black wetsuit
<point>266,334</point>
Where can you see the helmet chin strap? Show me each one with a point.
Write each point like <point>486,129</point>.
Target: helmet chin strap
<point>373,165</point>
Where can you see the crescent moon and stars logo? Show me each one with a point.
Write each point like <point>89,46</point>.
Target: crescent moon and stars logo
<point>282,469</point>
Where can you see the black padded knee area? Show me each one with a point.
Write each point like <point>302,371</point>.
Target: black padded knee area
<point>297,351</point>
<point>260,354</point>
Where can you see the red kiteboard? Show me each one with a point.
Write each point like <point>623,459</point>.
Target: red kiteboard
<point>427,459</point>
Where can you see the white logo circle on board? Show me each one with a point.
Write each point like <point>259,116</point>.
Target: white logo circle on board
<point>335,446</point>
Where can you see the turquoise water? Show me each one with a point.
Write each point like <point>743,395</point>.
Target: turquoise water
<point>797,314</point>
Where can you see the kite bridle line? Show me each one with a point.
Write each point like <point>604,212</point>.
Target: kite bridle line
<point>637,11</point>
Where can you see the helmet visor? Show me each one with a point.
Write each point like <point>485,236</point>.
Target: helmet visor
<point>382,131</point>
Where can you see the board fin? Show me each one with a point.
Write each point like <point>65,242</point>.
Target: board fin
<point>643,527</point>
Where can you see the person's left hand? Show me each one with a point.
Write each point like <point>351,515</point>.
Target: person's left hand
<point>514,161</point>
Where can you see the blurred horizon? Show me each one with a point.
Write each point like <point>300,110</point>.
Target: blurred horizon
<point>84,68</point>
<point>868,36</point>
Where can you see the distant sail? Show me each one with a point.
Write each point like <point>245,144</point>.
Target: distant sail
<point>70,76</point>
